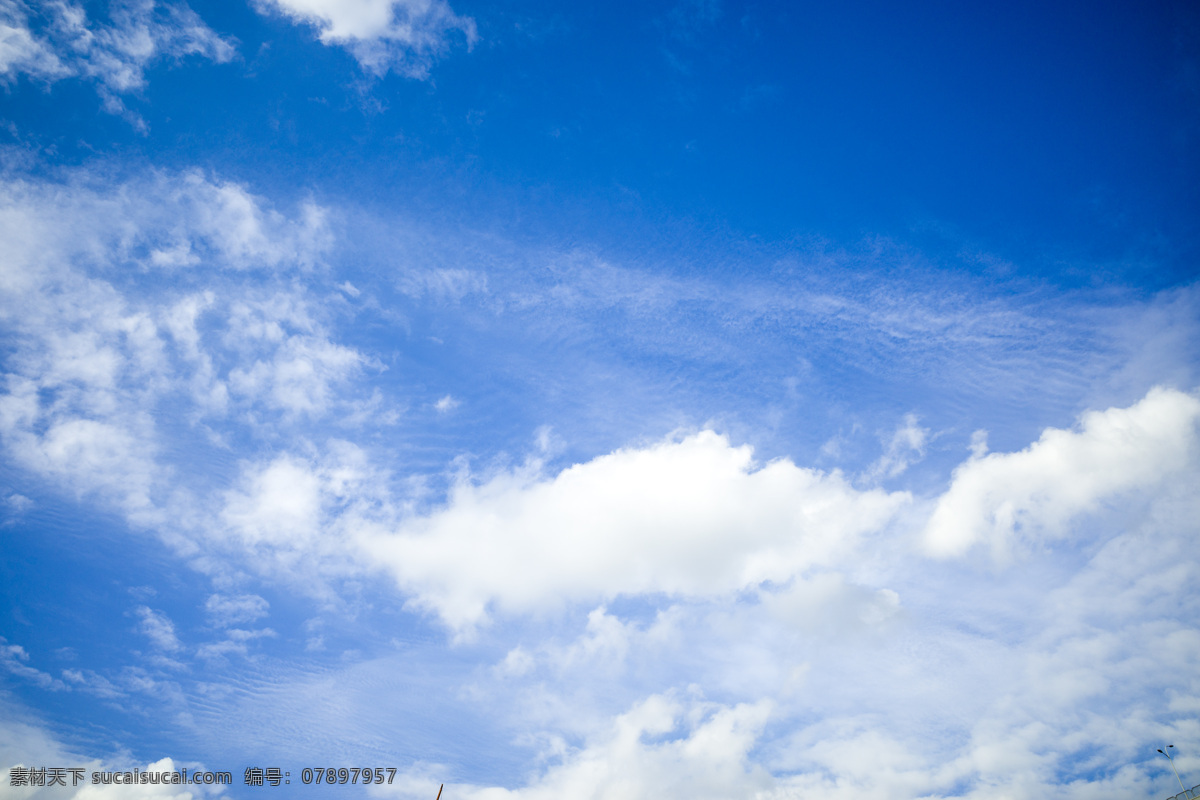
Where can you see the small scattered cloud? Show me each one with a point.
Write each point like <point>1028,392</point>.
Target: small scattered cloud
<point>905,447</point>
<point>402,36</point>
<point>228,610</point>
<point>18,503</point>
<point>159,629</point>
<point>54,41</point>
<point>446,404</point>
<point>236,642</point>
<point>15,660</point>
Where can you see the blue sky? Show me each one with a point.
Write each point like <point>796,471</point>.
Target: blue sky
<point>642,400</point>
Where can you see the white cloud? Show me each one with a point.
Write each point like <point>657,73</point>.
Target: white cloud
<point>28,743</point>
<point>245,231</point>
<point>159,629</point>
<point>787,587</point>
<point>227,610</point>
<point>401,35</point>
<point>19,503</point>
<point>14,659</point>
<point>92,456</point>
<point>236,640</point>
<point>663,747</point>
<point>906,446</point>
<point>164,221</point>
<point>692,517</point>
<point>296,516</point>
<point>827,603</point>
<point>1002,499</point>
<point>446,404</point>
<point>299,370</point>
<point>21,51</point>
<point>95,365</point>
<point>114,55</point>
<point>603,646</point>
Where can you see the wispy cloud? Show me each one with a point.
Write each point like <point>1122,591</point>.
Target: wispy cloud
<point>15,660</point>
<point>53,41</point>
<point>159,629</point>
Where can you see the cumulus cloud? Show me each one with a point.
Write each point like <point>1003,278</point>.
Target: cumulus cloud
<point>1001,499</point>
<point>53,41</point>
<point>297,515</point>
<point>692,516</point>
<point>638,757</point>
<point>1044,685</point>
<point>401,35</point>
<point>665,746</point>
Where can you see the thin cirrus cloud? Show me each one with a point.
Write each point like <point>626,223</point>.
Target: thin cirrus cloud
<point>404,36</point>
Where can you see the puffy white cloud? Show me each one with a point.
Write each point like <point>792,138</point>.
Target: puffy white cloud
<point>114,55</point>
<point>691,517</point>
<point>294,517</point>
<point>400,35</point>
<point>1001,499</point>
<point>25,741</point>
<point>662,747</point>
<point>162,221</point>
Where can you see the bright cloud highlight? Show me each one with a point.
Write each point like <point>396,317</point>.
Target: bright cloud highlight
<point>401,35</point>
<point>1006,499</point>
<point>692,517</point>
